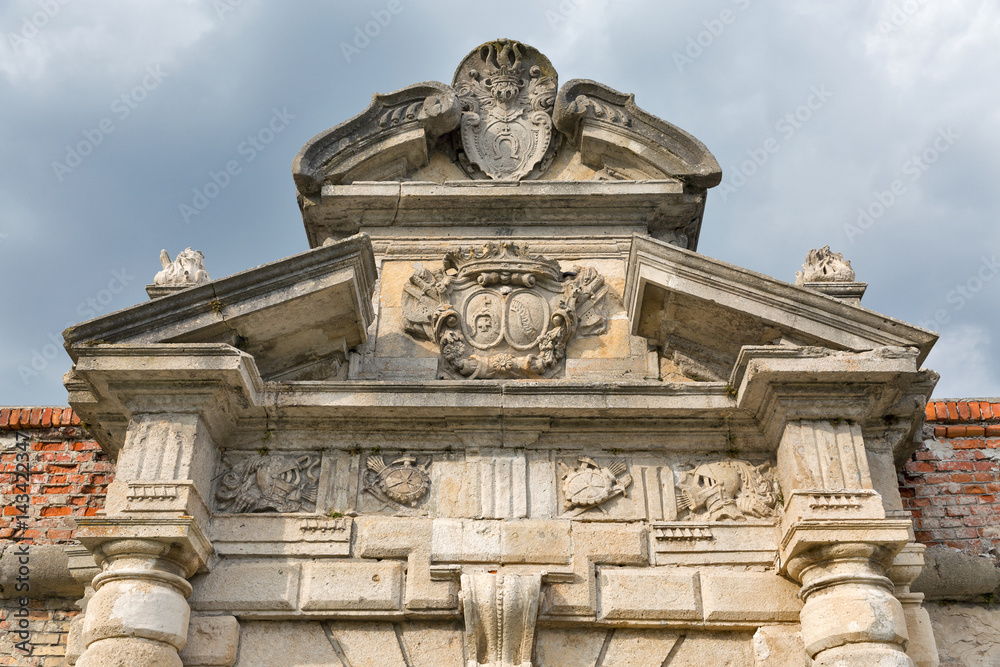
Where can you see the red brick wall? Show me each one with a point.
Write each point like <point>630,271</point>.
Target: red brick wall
<point>68,475</point>
<point>951,484</point>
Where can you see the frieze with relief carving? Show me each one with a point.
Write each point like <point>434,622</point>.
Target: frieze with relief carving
<point>270,483</point>
<point>498,311</point>
<point>728,490</point>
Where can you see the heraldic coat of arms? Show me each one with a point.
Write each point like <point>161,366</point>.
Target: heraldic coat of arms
<point>497,311</point>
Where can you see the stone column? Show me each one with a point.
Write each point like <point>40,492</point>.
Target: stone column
<point>139,614</point>
<point>152,538</point>
<point>838,544</point>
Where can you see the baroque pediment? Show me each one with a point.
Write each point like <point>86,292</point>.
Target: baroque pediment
<point>504,121</point>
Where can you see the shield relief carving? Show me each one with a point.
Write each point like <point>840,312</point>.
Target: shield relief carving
<point>497,311</point>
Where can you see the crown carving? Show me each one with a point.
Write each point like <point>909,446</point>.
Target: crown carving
<point>503,262</point>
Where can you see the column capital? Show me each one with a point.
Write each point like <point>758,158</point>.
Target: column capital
<point>178,540</point>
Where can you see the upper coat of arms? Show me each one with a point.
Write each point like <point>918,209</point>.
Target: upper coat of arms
<point>507,90</point>
<point>497,311</point>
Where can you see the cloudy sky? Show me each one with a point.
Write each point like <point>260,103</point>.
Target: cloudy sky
<point>871,126</point>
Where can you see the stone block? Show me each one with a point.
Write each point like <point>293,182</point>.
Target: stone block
<point>433,644</point>
<point>718,649</point>
<point>535,541</point>
<point>336,585</point>
<point>950,574</point>
<point>300,643</point>
<point>639,648</point>
<point>49,572</point>
<point>648,593</point>
<point>368,643</point>
<point>779,646</point>
<point>559,647</point>
<point>749,596</point>
<point>248,585</point>
<point>212,641</point>
<point>466,540</point>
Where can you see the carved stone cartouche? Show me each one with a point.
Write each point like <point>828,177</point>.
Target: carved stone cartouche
<point>497,311</point>
<point>271,483</point>
<point>507,91</point>
<point>733,490</point>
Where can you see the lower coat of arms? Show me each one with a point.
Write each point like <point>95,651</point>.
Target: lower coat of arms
<point>497,311</point>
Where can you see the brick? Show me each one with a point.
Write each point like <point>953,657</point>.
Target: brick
<point>939,431</point>
<point>952,411</point>
<point>963,410</point>
<point>56,511</point>
<point>956,431</point>
<point>56,413</point>
<point>14,421</point>
<point>966,533</point>
<point>917,466</point>
<point>4,416</point>
<point>966,444</point>
<point>974,489</point>
<point>959,511</point>
<point>995,410</point>
<point>974,521</point>
<point>940,411</point>
<point>993,431</point>
<point>929,412</point>
<point>75,421</point>
<point>984,410</point>
<point>975,432</point>
<point>960,477</point>
<point>974,411</point>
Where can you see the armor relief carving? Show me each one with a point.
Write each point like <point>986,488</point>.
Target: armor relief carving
<point>590,485</point>
<point>498,311</point>
<point>728,490</point>
<point>400,483</point>
<point>507,91</point>
<point>270,483</point>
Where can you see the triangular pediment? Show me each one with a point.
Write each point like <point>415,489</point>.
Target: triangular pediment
<point>297,316</point>
<point>702,311</point>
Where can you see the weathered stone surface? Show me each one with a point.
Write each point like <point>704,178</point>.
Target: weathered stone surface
<point>749,596</point>
<point>779,646</point>
<point>967,634</point>
<point>50,575</point>
<point>433,644</point>
<point>699,649</point>
<point>639,648</point>
<point>241,585</point>
<point>558,647</point>
<point>212,641</point>
<point>950,574</point>
<point>368,644</point>
<point>270,643</point>
<point>333,585</point>
<point>648,593</point>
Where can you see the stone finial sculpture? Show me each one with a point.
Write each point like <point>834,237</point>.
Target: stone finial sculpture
<point>825,266</point>
<point>186,270</point>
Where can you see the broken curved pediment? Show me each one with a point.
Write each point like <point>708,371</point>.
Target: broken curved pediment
<point>437,152</point>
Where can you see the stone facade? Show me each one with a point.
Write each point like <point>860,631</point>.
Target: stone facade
<point>502,414</point>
